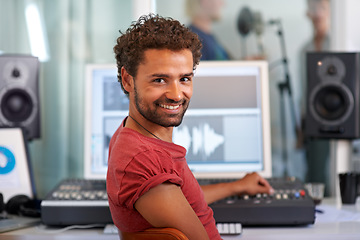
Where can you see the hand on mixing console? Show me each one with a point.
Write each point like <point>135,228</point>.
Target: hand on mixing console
<point>251,184</point>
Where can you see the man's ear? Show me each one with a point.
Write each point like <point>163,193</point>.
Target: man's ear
<point>127,80</point>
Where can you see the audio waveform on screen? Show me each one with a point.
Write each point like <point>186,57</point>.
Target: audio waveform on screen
<point>201,140</point>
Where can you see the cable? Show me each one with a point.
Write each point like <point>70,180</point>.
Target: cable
<point>57,231</point>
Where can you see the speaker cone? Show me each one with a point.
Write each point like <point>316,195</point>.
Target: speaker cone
<point>331,104</point>
<point>17,105</point>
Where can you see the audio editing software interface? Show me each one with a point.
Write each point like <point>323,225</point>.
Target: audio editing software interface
<point>108,107</point>
<point>222,127</point>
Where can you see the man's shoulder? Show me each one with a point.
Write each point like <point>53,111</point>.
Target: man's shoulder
<point>127,143</point>
<point>134,143</point>
<point>129,138</point>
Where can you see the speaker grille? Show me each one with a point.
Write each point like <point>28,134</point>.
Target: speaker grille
<point>333,103</point>
<point>19,95</point>
<point>17,106</point>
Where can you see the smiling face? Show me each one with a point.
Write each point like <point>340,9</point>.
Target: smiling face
<point>162,88</point>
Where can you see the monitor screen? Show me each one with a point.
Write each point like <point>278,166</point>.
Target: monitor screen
<point>226,129</point>
<point>15,167</point>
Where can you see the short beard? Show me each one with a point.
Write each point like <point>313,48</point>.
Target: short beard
<point>163,121</point>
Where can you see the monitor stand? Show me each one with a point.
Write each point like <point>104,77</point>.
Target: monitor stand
<point>340,162</point>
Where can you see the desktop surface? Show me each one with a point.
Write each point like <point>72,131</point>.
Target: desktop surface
<point>336,221</point>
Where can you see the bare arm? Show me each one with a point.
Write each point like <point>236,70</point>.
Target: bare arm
<point>250,184</point>
<point>166,206</point>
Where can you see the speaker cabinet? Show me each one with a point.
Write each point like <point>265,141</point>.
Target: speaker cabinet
<point>333,95</point>
<point>19,93</point>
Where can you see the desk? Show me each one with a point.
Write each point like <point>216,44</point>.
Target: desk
<point>336,222</point>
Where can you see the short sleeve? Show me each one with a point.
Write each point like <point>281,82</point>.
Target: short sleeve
<point>145,171</point>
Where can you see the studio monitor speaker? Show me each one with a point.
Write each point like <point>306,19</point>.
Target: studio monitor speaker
<point>333,86</point>
<point>19,93</point>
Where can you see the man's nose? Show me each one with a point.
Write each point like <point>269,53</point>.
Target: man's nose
<point>174,92</point>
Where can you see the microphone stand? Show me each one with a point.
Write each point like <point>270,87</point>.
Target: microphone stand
<point>285,86</point>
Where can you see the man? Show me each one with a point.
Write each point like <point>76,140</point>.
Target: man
<point>317,150</point>
<point>203,13</point>
<point>149,183</point>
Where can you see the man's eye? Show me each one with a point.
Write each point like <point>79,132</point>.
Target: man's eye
<point>185,79</point>
<point>159,80</point>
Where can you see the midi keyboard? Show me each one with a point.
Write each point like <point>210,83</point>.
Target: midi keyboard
<point>289,205</point>
<point>84,201</point>
<point>76,202</point>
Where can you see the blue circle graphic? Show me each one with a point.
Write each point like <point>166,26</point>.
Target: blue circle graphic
<point>10,165</point>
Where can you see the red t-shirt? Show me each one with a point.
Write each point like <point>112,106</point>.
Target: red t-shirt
<point>138,163</point>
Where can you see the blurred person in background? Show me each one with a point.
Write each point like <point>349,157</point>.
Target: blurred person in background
<point>203,13</point>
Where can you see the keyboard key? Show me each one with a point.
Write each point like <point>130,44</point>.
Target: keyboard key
<point>232,228</point>
<point>229,228</point>
<point>110,229</point>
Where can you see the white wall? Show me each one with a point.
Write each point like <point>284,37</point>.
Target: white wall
<point>104,25</point>
<point>141,7</point>
<point>345,35</point>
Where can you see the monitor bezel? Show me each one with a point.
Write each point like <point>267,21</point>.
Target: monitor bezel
<point>89,69</point>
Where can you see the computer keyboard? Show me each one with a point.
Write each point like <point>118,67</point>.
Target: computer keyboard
<point>223,228</point>
<point>229,228</point>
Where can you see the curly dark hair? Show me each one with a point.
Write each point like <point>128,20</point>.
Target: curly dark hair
<point>153,32</point>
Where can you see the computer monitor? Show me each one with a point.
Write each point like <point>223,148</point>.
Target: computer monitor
<point>226,129</point>
<point>16,176</point>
